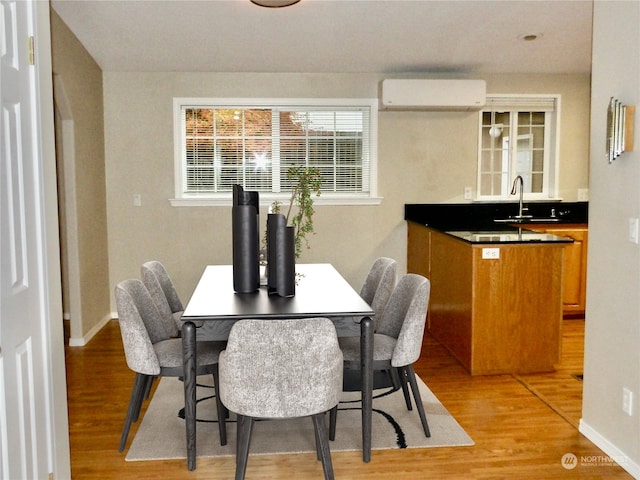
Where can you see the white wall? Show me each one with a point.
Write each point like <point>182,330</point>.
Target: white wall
<point>424,157</point>
<point>612,338</point>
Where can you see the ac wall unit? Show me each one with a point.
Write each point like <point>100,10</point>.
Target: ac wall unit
<point>423,94</point>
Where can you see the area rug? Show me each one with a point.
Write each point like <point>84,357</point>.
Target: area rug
<point>161,434</point>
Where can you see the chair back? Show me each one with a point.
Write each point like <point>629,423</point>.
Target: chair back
<point>151,273</point>
<point>281,368</point>
<point>379,284</point>
<point>405,317</point>
<point>166,284</point>
<point>140,326</point>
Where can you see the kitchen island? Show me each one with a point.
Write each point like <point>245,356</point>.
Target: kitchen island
<point>496,291</point>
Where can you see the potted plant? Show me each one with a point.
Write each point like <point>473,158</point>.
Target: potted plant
<point>305,182</point>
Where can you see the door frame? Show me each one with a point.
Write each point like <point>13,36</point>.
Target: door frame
<point>56,375</point>
<point>69,253</point>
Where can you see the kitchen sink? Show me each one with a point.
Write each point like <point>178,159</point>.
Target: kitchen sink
<point>527,220</point>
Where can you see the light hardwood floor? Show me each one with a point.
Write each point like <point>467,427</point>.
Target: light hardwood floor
<point>521,425</point>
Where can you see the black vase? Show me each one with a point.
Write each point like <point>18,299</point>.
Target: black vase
<point>246,240</point>
<point>281,256</point>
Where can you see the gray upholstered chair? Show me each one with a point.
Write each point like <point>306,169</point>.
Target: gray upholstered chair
<point>376,290</point>
<point>157,280</point>
<point>397,342</point>
<point>378,286</point>
<point>151,352</point>
<point>281,369</point>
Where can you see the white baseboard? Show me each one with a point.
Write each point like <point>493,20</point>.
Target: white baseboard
<point>82,341</point>
<point>611,451</point>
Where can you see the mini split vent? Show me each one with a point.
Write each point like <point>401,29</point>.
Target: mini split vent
<point>437,95</point>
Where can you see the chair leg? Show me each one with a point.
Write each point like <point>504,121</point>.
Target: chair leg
<point>315,434</point>
<point>222,414</point>
<point>333,419</point>
<point>323,445</point>
<point>244,426</point>
<point>145,386</point>
<point>405,388</point>
<point>392,373</point>
<point>133,411</point>
<point>148,386</point>
<point>416,395</point>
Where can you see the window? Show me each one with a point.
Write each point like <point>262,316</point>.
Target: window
<point>518,136</point>
<point>253,143</point>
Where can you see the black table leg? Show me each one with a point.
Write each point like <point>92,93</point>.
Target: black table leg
<point>189,352</point>
<point>366,371</point>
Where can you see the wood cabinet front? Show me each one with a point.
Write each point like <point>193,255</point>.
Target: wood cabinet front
<point>574,281</point>
<point>495,315</point>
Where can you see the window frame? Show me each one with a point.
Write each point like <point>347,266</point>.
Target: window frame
<point>182,198</point>
<point>516,103</point>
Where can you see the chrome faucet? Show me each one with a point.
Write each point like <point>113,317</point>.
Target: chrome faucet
<point>516,181</point>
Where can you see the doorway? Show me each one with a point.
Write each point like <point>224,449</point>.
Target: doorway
<point>67,212</point>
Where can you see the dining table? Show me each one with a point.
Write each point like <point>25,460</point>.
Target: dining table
<point>320,291</point>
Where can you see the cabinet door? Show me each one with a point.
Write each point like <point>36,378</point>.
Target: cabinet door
<point>574,279</point>
<point>418,249</point>
<point>575,270</point>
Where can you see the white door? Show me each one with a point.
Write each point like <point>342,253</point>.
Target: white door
<point>28,363</point>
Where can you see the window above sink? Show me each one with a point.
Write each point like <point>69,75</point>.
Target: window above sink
<point>518,136</point>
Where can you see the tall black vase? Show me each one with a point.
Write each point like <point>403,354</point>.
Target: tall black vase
<point>281,256</point>
<point>246,240</point>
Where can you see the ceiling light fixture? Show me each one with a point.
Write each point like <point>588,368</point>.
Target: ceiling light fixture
<point>275,3</point>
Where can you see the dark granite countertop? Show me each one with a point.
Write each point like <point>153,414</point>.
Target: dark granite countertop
<point>476,222</point>
<point>512,235</point>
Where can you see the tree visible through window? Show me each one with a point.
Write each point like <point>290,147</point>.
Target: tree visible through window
<point>254,146</point>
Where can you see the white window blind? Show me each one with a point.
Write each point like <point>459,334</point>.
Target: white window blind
<point>520,104</point>
<point>254,145</point>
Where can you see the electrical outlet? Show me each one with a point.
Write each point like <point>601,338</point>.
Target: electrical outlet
<point>627,401</point>
<point>583,194</point>
<point>490,253</point>
<point>137,200</point>
<point>468,193</point>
